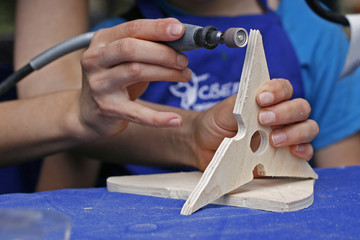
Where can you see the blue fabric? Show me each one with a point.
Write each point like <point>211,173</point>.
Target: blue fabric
<point>216,73</point>
<point>321,48</point>
<point>99,214</point>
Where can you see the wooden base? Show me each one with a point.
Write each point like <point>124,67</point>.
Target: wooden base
<point>270,194</point>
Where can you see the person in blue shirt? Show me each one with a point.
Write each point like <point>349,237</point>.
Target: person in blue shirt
<point>297,44</point>
<point>214,78</point>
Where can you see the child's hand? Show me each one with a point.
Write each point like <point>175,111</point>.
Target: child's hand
<point>287,118</point>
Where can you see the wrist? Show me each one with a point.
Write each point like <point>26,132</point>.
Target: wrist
<point>74,126</point>
<point>185,139</point>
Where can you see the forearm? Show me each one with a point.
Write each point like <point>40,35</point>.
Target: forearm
<point>39,25</point>
<point>342,153</point>
<point>149,146</point>
<point>39,126</point>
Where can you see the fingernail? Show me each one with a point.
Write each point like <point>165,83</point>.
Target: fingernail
<point>174,122</point>
<point>279,137</point>
<point>266,98</point>
<point>187,73</point>
<point>267,117</point>
<point>175,29</point>
<point>300,148</point>
<point>182,61</point>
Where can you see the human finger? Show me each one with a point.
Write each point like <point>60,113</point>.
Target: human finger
<point>304,150</point>
<point>127,74</point>
<point>167,29</point>
<point>274,91</point>
<point>137,113</point>
<point>287,112</point>
<point>136,50</point>
<point>302,132</point>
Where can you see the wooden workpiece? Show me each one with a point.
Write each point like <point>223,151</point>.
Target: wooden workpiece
<point>270,194</point>
<point>234,161</point>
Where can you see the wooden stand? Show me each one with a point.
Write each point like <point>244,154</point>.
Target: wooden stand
<point>270,194</point>
<point>234,161</point>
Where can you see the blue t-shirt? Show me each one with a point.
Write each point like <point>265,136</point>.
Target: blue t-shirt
<point>321,49</point>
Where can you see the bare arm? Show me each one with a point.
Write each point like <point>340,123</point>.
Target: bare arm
<point>32,128</point>
<point>40,25</point>
<point>195,142</point>
<point>343,153</point>
<point>101,96</point>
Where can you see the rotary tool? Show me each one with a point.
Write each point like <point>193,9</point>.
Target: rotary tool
<point>194,37</point>
<point>209,37</point>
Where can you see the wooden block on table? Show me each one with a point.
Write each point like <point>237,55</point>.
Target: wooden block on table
<point>270,194</point>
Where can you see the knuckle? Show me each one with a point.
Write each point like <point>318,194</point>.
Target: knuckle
<point>134,70</point>
<point>172,59</point>
<point>282,87</point>
<point>95,83</point>
<point>287,84</point>
<point>134,116</point>
<point>106,109</point>
<point>298,134</point>
<point>304,108</point>
<point>309,131</point>
<point>98,35</point>
<point>96,38</point>
<point>126,48</point>
<point>287,108</point>
<point>286,88</point>
<point>132,27</point>
<point>88,59</point>
<point>155,122</point>
<point>85,62</point>
<point>160,26</point>
<point>315,126</point>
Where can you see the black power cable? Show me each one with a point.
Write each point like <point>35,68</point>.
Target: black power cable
<point>326,14</point>
<point>14,78</point>
<point>51,54</point>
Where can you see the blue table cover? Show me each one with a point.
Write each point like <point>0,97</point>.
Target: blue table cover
<point>98,214</point>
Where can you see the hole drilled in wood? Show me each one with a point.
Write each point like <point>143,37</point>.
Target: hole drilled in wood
<point>259,171</point>
<point>258,142</point>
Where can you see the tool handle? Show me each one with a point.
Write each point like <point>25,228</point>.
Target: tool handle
<point>187,41</point>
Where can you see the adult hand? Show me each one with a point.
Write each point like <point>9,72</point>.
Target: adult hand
<point>288,119</point>
<point>117,68</point>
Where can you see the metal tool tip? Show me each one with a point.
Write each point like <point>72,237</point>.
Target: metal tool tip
<point>236,37</point>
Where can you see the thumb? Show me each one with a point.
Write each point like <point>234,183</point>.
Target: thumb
<point>224,117</point>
